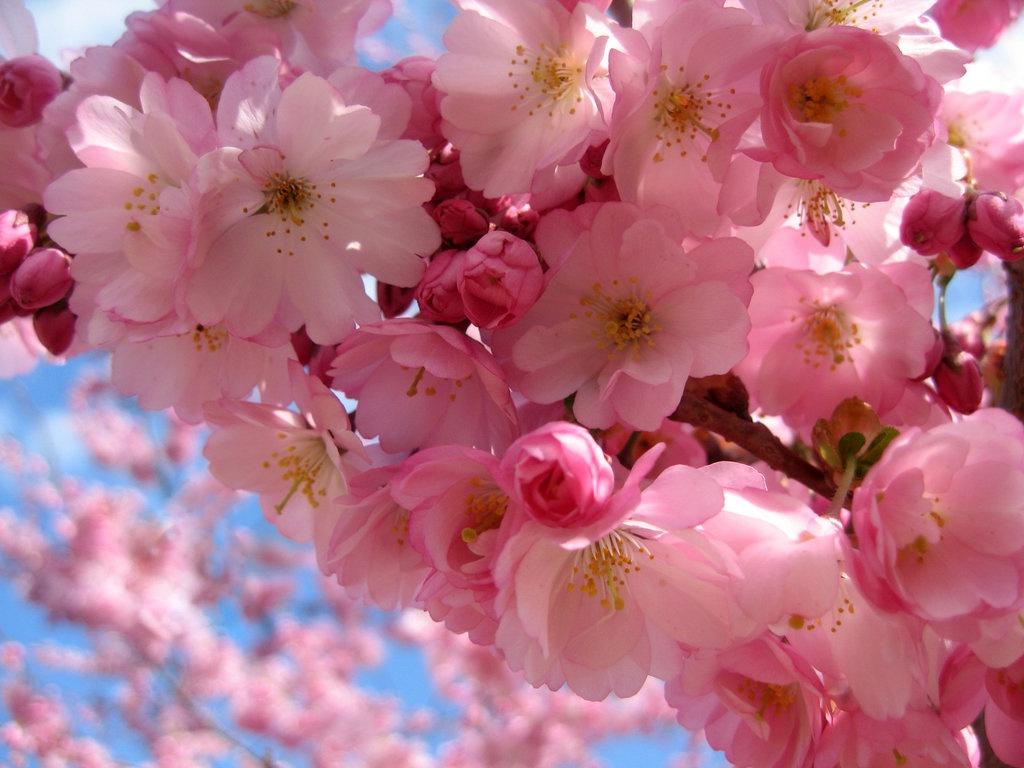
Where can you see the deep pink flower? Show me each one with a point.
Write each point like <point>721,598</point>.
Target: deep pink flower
<point>559,476</point>
<point>627,316</point>
<point>17,238</point>
<point>438,291</point>
<point>959,382</point>
<point>996,225</point>
<point>460,221</point>
<point>500,280</point>
<point>43,278</point>
<point>27,85</point>
<point>844,106</point>
<point>420,385</point>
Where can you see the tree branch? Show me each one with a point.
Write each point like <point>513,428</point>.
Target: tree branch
<point>698,407</point>
<point>1012,395</point>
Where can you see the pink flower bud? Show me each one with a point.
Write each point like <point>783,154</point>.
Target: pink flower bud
<point>17,238</point>
<point>27,85</point>
<point>971,24</point>
<point>438,291</point>
<point>43,278</point>
<point>997,226</point>
<point>932,223</point>
<point>413,74</point>
<point>460,221</point>
<point>55,327</point>
<point>501,278</point>
<point>959,382</point>
<point>521,221</point>
<point>394,300</point>
<point>965,252</point>
<point>304,346</point>
<point>559,475</point>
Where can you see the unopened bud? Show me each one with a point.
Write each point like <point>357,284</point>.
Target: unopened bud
<point>997,225</point>
<point>438,291</point>
<point>55,327</point>
<point>500,279</point>
<point>959,383</point>
<point>520,221</point>
<point>460,221</point>
<point>17,238</point>
<point>932,223</point>
<point>965,252</point>
<point>393,299</point>
<point>43,278</point>
<point>27,85</point>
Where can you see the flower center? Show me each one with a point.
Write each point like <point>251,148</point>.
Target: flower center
<point>957,136</point>
<point>600,570</point>
<point>821,99</point>
<point>143,202</point>
<point>288,197</point>
<point>208,339</point>
<point>827,334</point>
<point>622,322</point>
<point>271,9</point>
<point>485,509</point>
<point>818,209</point>
<point>546,78</point>
<point>300,465</point>
<point>834,13</point>
<point>684,111</point>
<point>769,698</point>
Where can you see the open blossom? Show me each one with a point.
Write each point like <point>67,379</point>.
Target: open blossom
<point>989,127</point>
<point>457,509</point>
<point>677,122</point>
<point>310,200</point>
<point>585,604</point>
<point>628,316</point>
<point>818,339</point>
<point>844,106</point>
<point>919,738</point>
<point>420,385</point>
<point>521,88</point>
<point>761,703</point>
<point>940,522</point>
<point>974,25</point>
<point>298,462</point>
<point>368,550</point>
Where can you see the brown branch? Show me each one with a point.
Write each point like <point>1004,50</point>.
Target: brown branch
<point>1012,398</point>
<point>698,407</point>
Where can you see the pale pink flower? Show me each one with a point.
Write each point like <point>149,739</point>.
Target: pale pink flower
<point>27,85</point>
<point>627,316</point>
<point>586,604</point>
<point>297,462</point>
<point>369,551</point>
<point>760,704</point>
<point>940,522</point>
<point>818,339</point>
<point>971,24</point>
<point>804,15</point>
<point>420,385</point>
<point>989,126</point>
<point>182,367</point>
<point>456,512</point>
<point>311,200</point>
<point>414,74</point>
<point>680,114</point>
<point>846,107</point>
<point>19,348</point>
<point>524,86</point>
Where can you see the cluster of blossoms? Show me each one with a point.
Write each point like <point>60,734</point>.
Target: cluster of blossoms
<point>593,247</point>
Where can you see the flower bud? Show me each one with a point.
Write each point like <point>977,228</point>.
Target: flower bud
<point>997,226</point>
<point>460,221</point>
<point>55,327</point>
<point>43,278</point>
<point>521,221</point>
<point>501,278</point>
<point>17,238</point>
<point>965,252</point>
<point>932,223</point>
<point>959,383</point>
<point>394,300</point>
<point>27,85</point>
<point>438,292</point>
<point>559,475</point>
<point>591,161</point>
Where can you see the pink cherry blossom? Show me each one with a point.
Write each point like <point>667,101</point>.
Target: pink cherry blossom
<point>818,339</point>
<point>438,291</point>
<point>1004,715</point>
<point>973,25</point>
<point>938,522</point>
<point>499,280</point>
<point>919,738</point>
<point>988,127</point>
<point>420,385</point>
<point>27,85</point>
<point>627,316</point>
<point>300,210</point>
<point>760,703</point>
<point>298,463</point>
<point>523,88</point>
<point>846,107</point>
